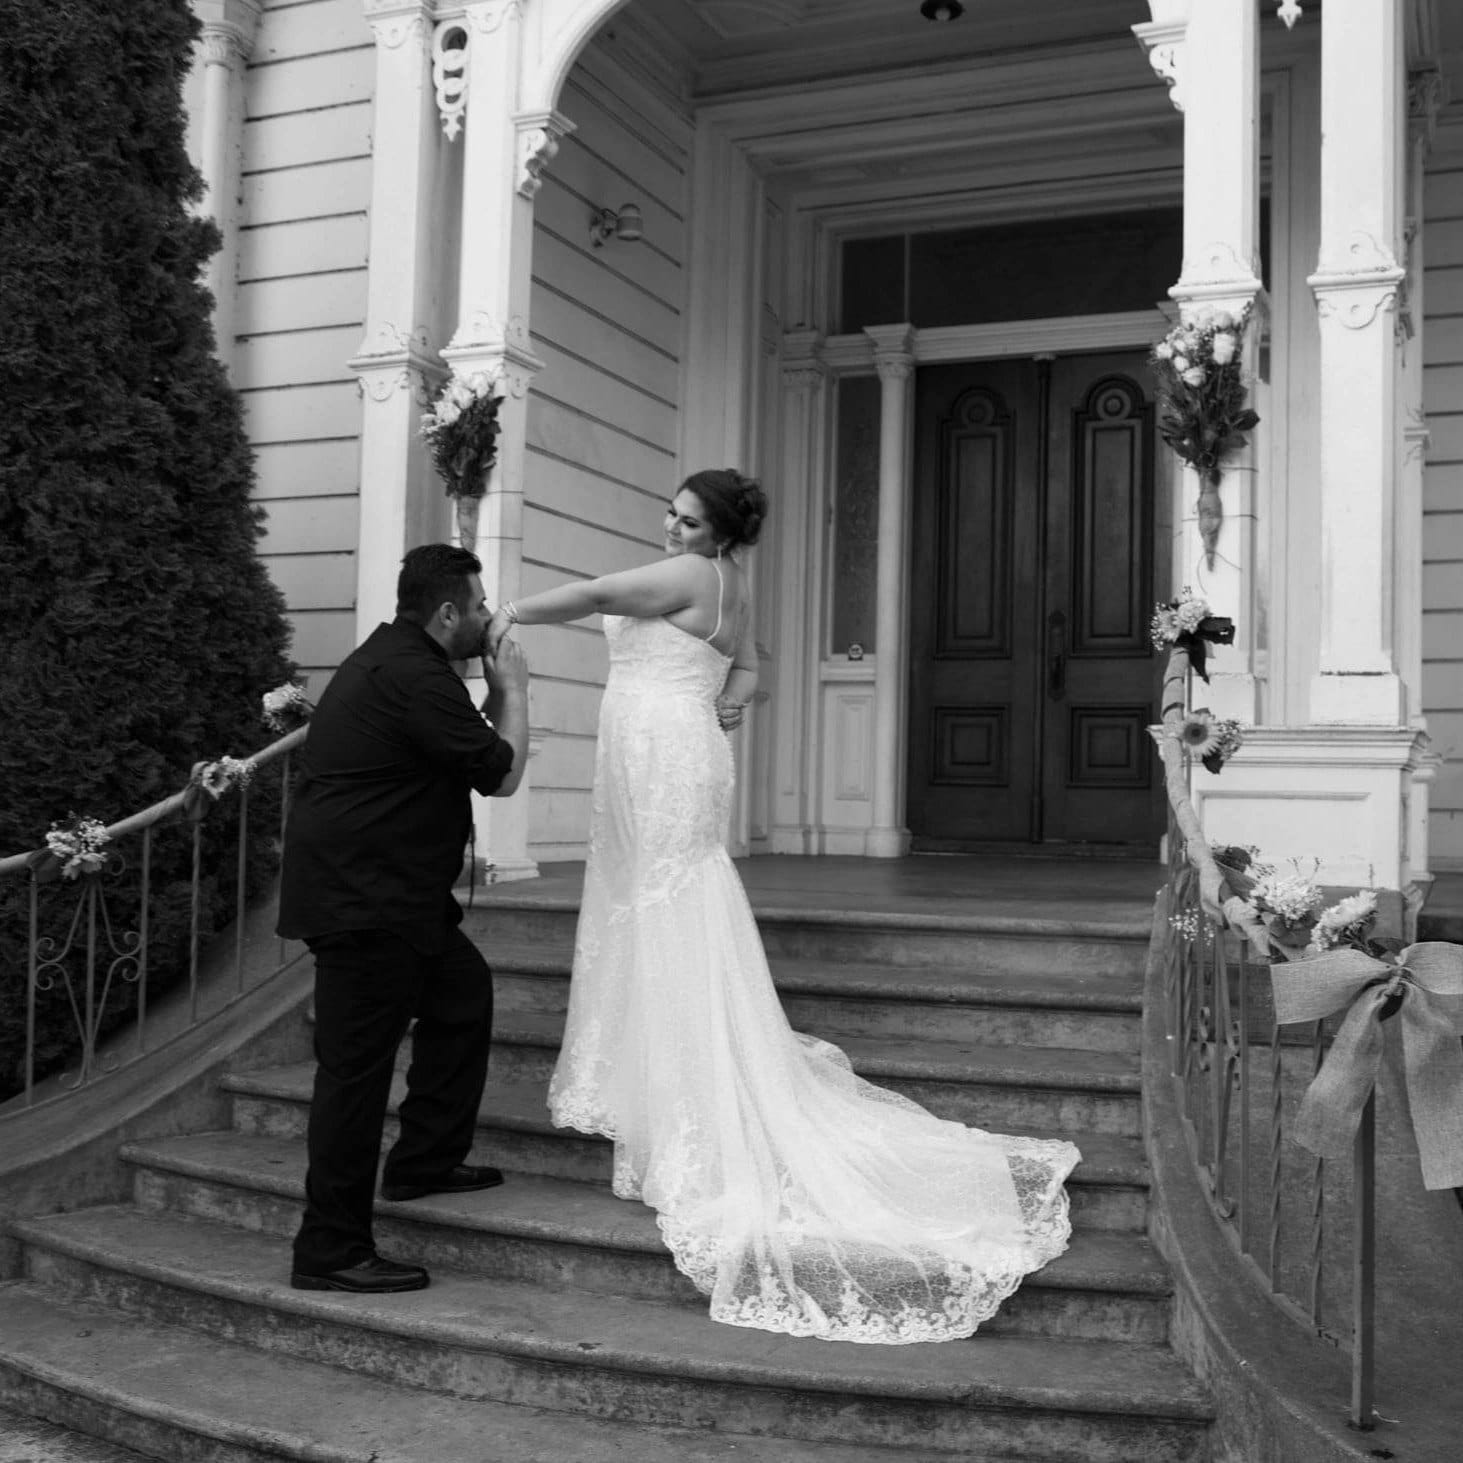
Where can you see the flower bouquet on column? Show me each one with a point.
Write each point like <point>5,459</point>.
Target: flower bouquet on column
<point>461,432</point>
<point>1203,411</point>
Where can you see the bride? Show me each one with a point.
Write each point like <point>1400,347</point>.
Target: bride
<point>799,1197</point>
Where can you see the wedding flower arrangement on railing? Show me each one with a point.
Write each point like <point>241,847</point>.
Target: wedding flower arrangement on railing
<point>74,847</point>
<point>209,781</point>
<point>285,708</point>
<point>1202,399</point>
<point>1211,740</point>
<point>461,431</point>
<point>1188,623</point>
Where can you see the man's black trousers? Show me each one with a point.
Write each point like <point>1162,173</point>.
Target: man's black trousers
<point>369,985</point>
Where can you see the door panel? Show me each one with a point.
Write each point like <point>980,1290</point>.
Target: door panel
<point>1031,683</point>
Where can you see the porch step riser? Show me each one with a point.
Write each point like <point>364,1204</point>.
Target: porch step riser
<point>590,1160</point>
<point>1032,1311</point>
<point>660,1399</point>
<point>899,1020</point>
<point>551,934</point>
<point>996,1108</point>
<point>151,1437</point>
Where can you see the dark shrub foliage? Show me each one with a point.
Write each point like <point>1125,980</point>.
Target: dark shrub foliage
<point>137,626</point>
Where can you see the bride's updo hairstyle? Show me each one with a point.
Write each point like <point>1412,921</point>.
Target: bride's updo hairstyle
<point>734,505</point>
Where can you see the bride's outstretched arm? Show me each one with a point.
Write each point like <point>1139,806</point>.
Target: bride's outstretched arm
<point>655,589</point>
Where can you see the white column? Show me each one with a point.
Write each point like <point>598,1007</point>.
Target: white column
<point>798,539</point>
<point>228,39</point>
<point>505,152</point>
<point>1210,59</point>
<point>1356,286</point>
<point>894,361</point>
<point>394,364</point>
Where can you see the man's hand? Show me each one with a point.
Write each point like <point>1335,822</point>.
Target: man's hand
<point>730,713</point>
<point>498,627</point>
<point>506,671</point>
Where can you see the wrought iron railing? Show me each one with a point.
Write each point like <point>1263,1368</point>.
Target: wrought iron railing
<point>76,951</point>
<point>1302,1226</point>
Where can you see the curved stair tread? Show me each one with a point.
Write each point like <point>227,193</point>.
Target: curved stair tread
<point>1054,989</point>
<point>567,1212</point>
<point>1056,1068</point>
<point>625,1334</point>
<point>523,1107</point>
<point>167,1381</point>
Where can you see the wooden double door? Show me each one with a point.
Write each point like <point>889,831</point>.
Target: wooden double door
<point>1032,682</point>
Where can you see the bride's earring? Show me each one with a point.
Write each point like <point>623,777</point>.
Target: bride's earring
<point>720,550</point>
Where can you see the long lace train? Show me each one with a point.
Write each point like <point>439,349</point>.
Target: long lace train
<point>799,1197</point>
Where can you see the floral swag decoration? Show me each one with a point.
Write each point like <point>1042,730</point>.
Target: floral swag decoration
<point>1202,403</point>
<point>461,432</point>
<point>1329,961</point>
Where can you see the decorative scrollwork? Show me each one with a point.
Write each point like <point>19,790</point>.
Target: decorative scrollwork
<point>1288,11</point>
<point>450,50</point>
<point>91,934</point>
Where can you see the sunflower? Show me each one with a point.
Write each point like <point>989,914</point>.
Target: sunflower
<point>1197,734</point>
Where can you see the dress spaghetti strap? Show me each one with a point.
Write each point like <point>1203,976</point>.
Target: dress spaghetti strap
<point>720,591</point>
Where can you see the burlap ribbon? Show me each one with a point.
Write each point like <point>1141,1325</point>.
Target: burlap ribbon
<point>1428,977</point>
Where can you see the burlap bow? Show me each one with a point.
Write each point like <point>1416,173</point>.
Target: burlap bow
<point>1428,977</point>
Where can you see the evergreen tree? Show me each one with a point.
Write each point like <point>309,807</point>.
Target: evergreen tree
<point>138,628</point>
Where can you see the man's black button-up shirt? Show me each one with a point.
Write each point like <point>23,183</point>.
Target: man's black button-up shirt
<point>382,814</point>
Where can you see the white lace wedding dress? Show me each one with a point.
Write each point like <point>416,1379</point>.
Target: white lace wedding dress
<point>799,1197</point>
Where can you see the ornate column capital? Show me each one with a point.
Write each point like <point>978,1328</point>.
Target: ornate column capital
<point>393,22</point>
<point>229,27</point>
<point>1163,40</point>
<point>486,16</point>
<point>893,350</point>
<point>539,136</point>
<point>803,366</point>
<point>1427,95</point>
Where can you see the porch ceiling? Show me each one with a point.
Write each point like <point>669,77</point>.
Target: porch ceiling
<point>732,46</point>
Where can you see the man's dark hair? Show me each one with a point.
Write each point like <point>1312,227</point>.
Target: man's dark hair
<point>430,575</point>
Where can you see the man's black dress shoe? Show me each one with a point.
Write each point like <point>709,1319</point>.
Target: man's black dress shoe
<point>373,1276</point>
<point>466,1178</point>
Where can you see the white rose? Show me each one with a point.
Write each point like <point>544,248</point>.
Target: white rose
<point>459,393</point>
<point>1194,376</point>
<point>1163,350</point>
<point>478,383</point>
<point>1224,348</point>
<point>1180,363</point>
<point>447,412</point>
<point>1223,320</point>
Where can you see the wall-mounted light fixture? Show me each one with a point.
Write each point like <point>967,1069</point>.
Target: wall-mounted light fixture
<point>606,224</point>
<point>942,10</point>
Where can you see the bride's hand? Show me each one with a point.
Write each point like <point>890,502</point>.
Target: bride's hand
<point>498,627</point>
<point>730,713</point>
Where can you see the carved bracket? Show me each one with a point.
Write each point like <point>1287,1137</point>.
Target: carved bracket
<point>1288,11</point>
<point>487,15</point>
<point>1164,43</point>
<point>539,135</point>
<point>498,350</point>
<point>1358,282</point>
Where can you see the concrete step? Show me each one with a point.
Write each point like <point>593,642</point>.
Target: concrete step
<point>187,1397</point>
<point>1074,1010</point>
<point>1108,1190</point>
<point>1000,1088</point>
<point>976,940</point>
<point>629,1359</point>
<point>34,1440</point>
<point>1108,1286</point>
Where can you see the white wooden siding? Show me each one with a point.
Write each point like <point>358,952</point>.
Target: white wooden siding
<point>1442,632</point>
<point>603,425</point>
<point>301,306</point>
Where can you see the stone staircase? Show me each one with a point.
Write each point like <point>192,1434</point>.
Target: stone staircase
<point>556,1329</point>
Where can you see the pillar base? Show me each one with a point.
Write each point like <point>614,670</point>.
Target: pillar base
<point>886,843</point>
<point>1338,801</point>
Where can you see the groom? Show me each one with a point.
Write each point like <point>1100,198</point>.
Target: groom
<point>373,846</point>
